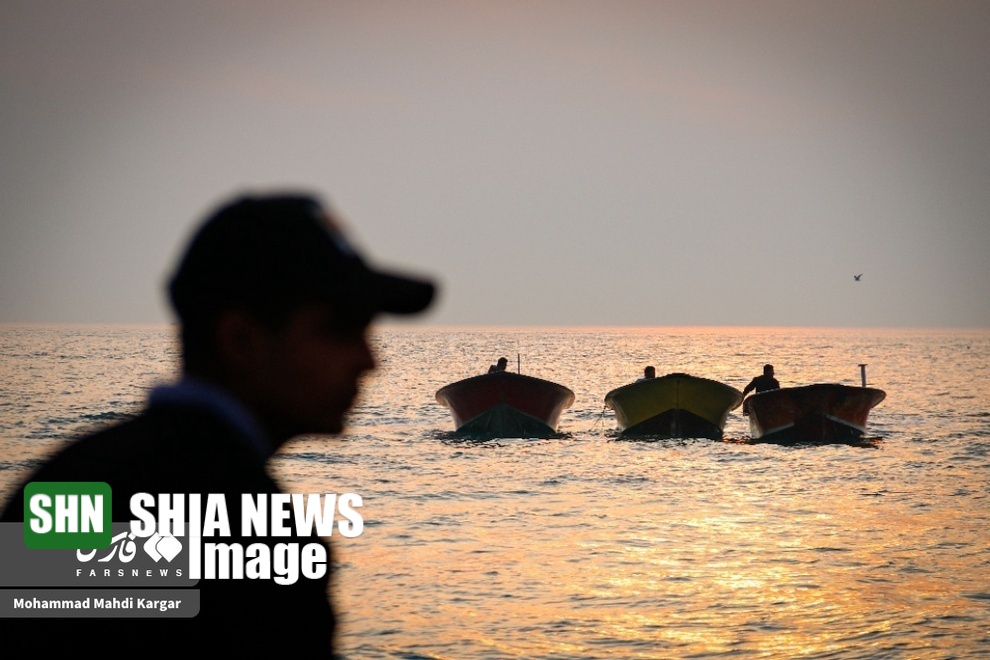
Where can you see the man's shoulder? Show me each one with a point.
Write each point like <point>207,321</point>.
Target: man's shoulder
<point>162,449</point>
<point>156,435</point>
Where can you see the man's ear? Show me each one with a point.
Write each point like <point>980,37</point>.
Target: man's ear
<point>241,340</point>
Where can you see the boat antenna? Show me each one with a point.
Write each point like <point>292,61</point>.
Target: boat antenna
<point>862,373</point>
<point>600,420</point>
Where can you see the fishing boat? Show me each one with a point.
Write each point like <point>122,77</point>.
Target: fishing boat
<point>823,412</point>
<point>673,406</point>
<point>503,404</point>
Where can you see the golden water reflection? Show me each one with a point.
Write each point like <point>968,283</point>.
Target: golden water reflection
<point>573,573</point>
<point>586,547</point>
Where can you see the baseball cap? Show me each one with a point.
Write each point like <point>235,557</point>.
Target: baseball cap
<point>275,251</point>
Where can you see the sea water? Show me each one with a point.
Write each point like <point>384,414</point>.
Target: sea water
<point>590,546</point>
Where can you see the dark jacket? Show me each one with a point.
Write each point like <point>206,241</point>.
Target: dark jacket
<point>183,449</point>
<point>763,383</point>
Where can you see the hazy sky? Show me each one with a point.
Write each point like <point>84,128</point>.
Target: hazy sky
<point>554,163</point>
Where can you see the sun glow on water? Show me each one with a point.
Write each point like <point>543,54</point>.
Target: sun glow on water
<point>587,546</point>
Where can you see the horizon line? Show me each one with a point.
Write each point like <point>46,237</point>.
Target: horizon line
<point>415,325</point>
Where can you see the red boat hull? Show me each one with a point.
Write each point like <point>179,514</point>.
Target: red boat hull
<point>812,413</point>
<point>505,404</point>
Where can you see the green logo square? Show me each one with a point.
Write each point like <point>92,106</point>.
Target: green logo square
<point>67,515</point>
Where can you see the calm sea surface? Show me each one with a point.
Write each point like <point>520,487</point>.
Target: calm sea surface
<point>587,546</point>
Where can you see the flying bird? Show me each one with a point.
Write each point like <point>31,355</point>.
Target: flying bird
<point>856,277</point>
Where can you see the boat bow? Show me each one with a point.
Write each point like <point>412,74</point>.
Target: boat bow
<point>823,412</point>
<point>505,404</point>
<point>676,405</point>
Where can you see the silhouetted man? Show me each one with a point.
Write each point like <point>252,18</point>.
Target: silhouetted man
<point>274,307</point>
<point>499,366</point>
<point>764,382</point>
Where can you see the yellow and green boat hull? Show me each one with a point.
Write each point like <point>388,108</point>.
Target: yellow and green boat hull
<point>673,406</point>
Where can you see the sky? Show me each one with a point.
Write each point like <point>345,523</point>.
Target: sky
<point>659,163</point>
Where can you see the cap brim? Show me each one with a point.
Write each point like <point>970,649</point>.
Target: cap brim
<point>399,294</point>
